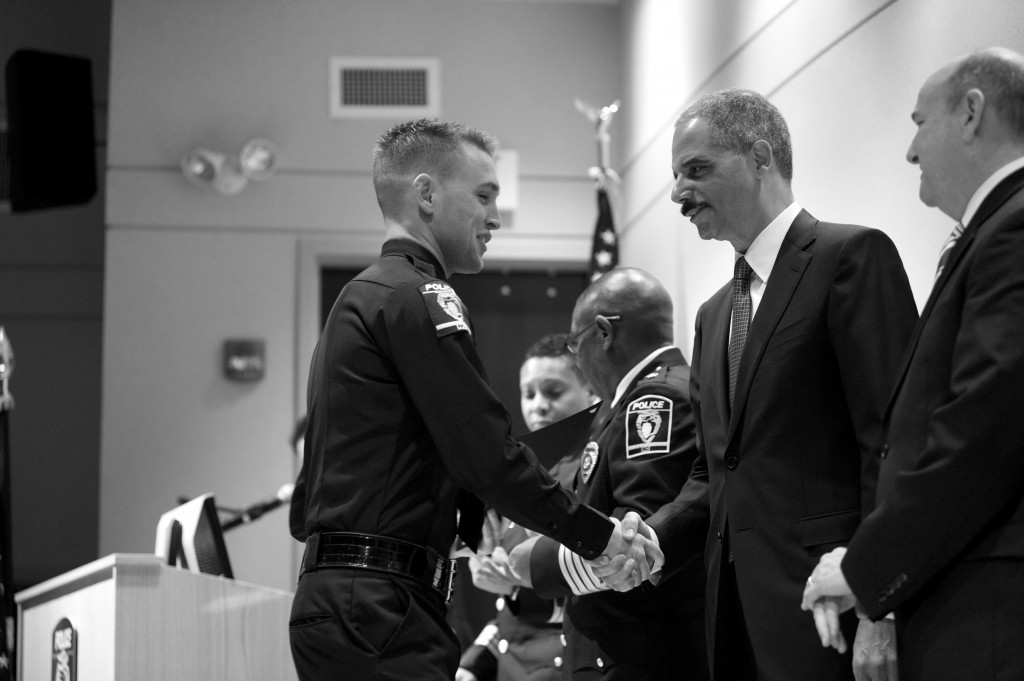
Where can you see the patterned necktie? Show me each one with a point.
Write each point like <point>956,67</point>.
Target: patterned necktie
<point>740,321</point>
<point>947,248</point>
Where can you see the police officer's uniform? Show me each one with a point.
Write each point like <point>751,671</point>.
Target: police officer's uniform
<point>639,461</point>
<point>401,421</point>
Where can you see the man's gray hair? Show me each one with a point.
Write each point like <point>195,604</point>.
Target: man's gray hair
<point>738,118</point>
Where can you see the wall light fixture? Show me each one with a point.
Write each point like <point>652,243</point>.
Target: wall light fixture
<point>230,174</point>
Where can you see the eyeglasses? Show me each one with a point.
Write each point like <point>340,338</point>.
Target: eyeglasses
<point>573,342</point>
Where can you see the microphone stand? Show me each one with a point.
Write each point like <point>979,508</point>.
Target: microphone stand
<point>251,513</point>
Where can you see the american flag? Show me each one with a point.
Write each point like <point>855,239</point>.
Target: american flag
<point>604,253</point>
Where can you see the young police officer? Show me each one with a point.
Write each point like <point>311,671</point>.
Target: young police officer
<point>403,429</point>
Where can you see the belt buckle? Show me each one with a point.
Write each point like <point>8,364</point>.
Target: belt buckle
<point>444,578</point>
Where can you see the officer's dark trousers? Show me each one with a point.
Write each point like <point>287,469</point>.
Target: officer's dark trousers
<point>350,624</point>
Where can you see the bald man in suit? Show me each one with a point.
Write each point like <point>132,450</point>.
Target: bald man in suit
<point>944,548</point>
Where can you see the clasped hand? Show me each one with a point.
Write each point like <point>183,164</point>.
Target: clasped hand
<point>490,565</point>
<point>826,595</point>
<point>631,555</point>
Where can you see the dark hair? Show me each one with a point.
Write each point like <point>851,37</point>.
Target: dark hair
<point>999,74</point>
<point>426,145</point>
<point>738,118</point>
<point>553,345</point>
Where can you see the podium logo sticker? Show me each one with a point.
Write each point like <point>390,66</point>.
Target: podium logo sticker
<point>65,652</point>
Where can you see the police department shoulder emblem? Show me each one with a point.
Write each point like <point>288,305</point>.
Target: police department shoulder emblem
<point>446,309</point>
<point>588,462</point>
<point>648,426</point>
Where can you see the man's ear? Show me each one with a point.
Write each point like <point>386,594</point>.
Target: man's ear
<point>971,108</point>
<point>606,330</point>
<point>425,188</point>
<point>762,153</point>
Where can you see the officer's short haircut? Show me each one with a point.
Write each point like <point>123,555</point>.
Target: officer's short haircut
<point>999,74</point>
<point>553,345</point>
<point>738,118</point>
<point>423,146</point>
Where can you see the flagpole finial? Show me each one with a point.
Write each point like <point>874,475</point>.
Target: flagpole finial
<point>601,117</point>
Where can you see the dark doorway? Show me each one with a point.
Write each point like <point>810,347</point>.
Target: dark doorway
<point>510,310</point>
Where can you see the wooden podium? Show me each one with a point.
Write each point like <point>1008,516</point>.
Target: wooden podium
<point>129,616</point>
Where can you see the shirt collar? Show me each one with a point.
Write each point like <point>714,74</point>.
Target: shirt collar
<point>764,249</point>
<point>416,253</point>
<point>627,380</point>
<point>986,188</point>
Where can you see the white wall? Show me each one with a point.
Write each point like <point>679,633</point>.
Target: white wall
<point>187,268</point>
<point>844,73</point>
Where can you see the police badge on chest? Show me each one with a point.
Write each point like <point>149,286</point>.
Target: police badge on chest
<point>588,462</point>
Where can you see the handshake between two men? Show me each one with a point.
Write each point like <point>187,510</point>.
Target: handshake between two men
<point>630,558</point>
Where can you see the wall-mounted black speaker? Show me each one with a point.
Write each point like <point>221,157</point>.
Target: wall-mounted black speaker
<point>50,130</point>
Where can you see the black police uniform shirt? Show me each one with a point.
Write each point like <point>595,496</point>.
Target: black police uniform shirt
<point>638,462</point>
<point>401,418</point>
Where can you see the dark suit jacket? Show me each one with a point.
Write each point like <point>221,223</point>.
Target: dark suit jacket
<point>789,475</point>
<point>645,451</point>
<point>945,546</point>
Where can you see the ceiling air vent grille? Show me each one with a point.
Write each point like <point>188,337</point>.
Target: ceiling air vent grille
<point>369,87</point>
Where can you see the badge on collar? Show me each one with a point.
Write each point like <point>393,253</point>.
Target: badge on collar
<point>648,426</point>
<point>445,308</point>
<point>588,462</point>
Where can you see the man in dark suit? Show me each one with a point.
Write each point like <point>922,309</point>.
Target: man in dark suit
<point>944,547</point>
<point>792,363</point>
<point>638,460</point>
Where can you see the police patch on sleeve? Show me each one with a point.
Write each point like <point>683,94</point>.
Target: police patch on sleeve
<point>446,310</point>
<point>648,426</point>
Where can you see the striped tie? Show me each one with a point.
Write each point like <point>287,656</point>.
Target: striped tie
<point>947,248</point>
<point>740,321</point>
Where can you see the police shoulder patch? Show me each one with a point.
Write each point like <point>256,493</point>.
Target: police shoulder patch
<point>446,310</point>
<point>648,426</point>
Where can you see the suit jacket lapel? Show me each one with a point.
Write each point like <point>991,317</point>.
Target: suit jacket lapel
<point>954,257</point>
<point>715,343</point>
<point>998,196</point>
<point>789,268</point>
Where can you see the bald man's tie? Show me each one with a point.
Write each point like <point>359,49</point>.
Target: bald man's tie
<point>740,321</point>
<point>947,248</point>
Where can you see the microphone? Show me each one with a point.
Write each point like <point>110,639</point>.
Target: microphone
<point>251,513</point>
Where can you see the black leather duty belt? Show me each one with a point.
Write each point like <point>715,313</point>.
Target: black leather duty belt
<point>382,554</point>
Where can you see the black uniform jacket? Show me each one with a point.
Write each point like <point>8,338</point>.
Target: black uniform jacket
<point>401,418</point>
<point>644,453</point>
